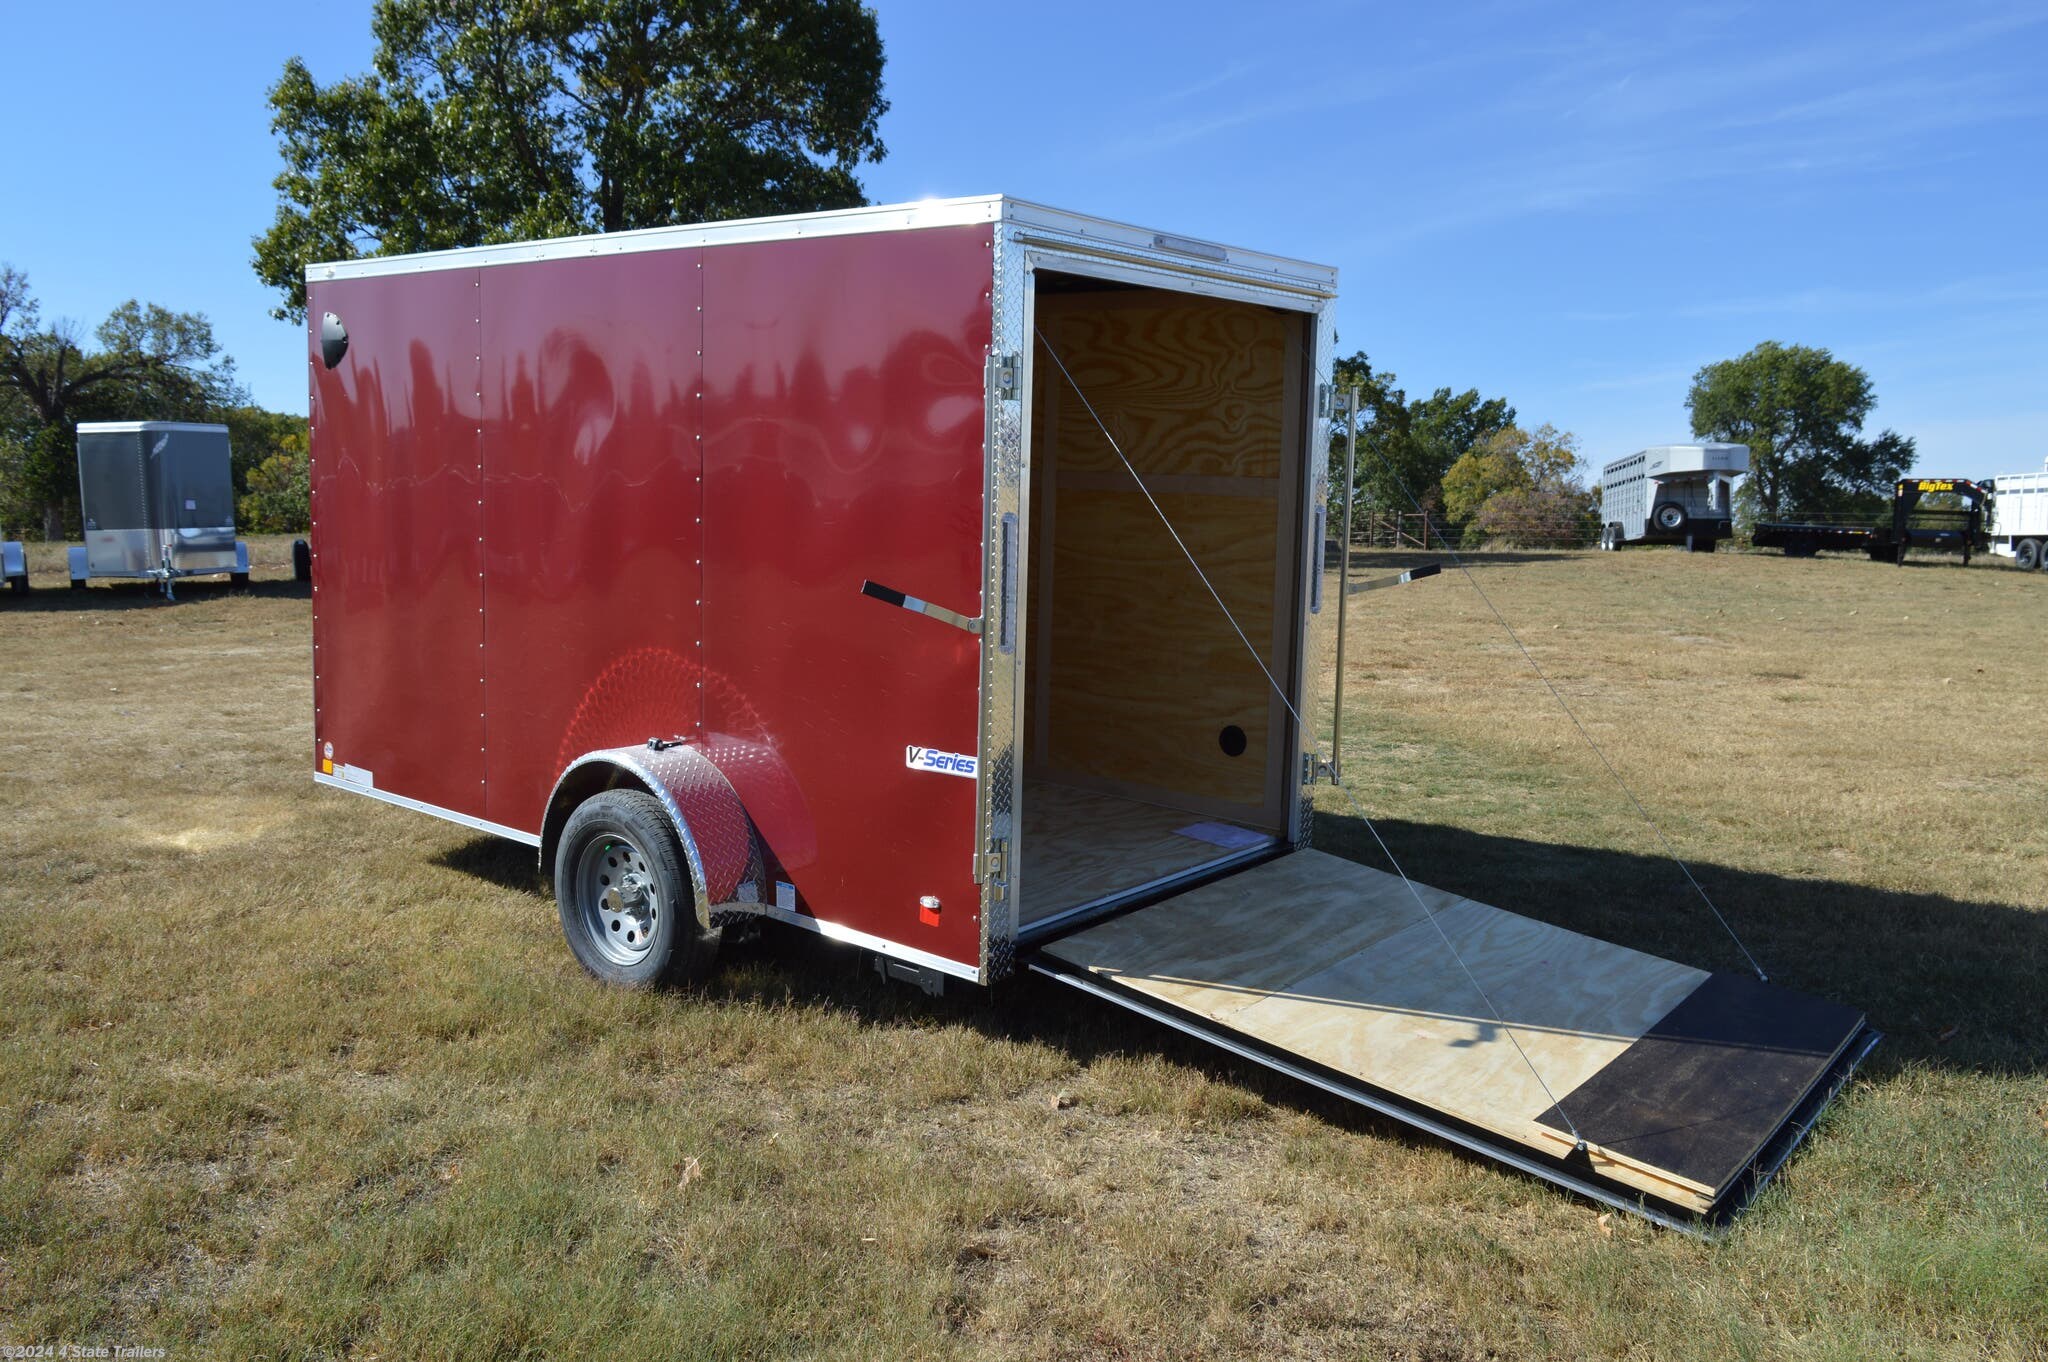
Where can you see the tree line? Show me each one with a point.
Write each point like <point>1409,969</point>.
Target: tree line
<point>1462,460</point>
<point>497,120</point>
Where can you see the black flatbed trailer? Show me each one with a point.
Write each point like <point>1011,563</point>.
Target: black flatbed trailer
<point>1801,540</point>
<point>1952,529</point>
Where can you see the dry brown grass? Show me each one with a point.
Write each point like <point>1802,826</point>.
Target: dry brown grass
<point>286,1073</point>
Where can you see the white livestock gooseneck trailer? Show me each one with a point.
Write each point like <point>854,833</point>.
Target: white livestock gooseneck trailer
<point>947,579</point>
<point>1671,494</point>
<point>2019,517</point>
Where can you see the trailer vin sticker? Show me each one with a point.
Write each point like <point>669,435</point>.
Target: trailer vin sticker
<point>945,763</point>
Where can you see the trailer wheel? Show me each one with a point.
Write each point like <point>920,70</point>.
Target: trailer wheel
<point>2027,554</point>
<point>625,896</point>
<point>302,561</point>
<point>18,585</point>
<point>238,579</point>
<point>1669,517</point>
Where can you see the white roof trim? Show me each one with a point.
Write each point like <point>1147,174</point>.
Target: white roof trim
<point>131,427</point>
<point>893,217</point>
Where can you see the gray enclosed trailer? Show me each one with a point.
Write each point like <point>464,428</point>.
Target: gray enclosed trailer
<point>158,501</point>
<point>1671,494</point>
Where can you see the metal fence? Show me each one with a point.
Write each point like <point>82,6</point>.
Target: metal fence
<point>1416,530</point>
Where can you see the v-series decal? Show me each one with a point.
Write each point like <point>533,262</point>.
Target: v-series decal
<point>945,763</point>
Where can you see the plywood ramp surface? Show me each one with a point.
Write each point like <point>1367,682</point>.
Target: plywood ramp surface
<point>1079,846</point>
<point>1341,965</point>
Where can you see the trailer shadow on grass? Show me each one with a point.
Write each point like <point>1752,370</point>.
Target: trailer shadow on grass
<point>139,595</point>
<point>509,865</point>
<point>1952,984</point>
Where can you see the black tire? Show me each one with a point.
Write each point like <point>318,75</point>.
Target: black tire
<point>624,893</point>
<point>2027,554</point>
<point>78,583</point>
<point>238,578</point>
<point>302,561</point>
<point>18,585</point>
<point>1801,548</point>
<point>1669,518</point>
<point>1701,543</point>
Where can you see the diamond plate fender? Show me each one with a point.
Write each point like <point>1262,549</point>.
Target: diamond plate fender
<point>719,842</point>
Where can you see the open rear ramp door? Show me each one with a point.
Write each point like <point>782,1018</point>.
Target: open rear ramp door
<point>1688,1088</point>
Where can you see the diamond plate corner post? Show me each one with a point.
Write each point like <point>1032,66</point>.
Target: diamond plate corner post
<point>1319,620</point>
<point>1004,591</point>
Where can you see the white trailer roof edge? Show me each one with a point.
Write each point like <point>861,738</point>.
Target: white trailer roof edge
<point>131,427</point>
<point>1299,275</point>
<point>1666,449</point>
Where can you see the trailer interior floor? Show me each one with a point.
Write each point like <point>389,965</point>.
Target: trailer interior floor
<point>1082,846</point>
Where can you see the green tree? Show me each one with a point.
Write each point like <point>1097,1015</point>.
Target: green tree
<point>1517,487</point>
<point>1492,466</point>
<point>505,120</point>
<point>280,492</point>
<point>255,434</point>
<point>1447,424</point>
<point>1801,412</point>
<point>144,362</point>
<point>1405,447</point>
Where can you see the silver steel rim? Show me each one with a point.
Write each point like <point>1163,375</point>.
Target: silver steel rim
<point>617,900</point>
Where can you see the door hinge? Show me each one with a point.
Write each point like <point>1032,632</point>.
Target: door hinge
<point>991,867</point>
<point>1008,367</point>
<point>1322,399</point>
<point>1314,769</point>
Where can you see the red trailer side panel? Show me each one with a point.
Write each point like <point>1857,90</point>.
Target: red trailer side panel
<point>843,441</point>
<point>397,527</point>
<point>592,491</point>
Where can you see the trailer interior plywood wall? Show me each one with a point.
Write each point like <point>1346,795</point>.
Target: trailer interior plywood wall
<point>1137,686</point>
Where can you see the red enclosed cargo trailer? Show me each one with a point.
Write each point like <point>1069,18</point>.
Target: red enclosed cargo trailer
<point>840,570</point>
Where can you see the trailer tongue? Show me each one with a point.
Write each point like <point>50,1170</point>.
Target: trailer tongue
<point>1684,1087</point>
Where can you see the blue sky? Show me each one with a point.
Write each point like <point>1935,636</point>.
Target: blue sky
<point>1570,205</point>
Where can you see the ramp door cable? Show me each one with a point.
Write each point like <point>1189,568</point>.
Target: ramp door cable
<point>1301,727</point>
<point>1670,852</point>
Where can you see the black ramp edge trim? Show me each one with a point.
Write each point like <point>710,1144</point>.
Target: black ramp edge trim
<point>1706,1088</point>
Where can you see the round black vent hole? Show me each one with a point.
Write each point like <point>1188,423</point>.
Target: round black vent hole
<point>1231,740</point>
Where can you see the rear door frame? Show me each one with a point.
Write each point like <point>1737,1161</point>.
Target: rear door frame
<point>1029,238</point>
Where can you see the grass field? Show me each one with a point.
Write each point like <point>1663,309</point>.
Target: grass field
<point>286,1073</point>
